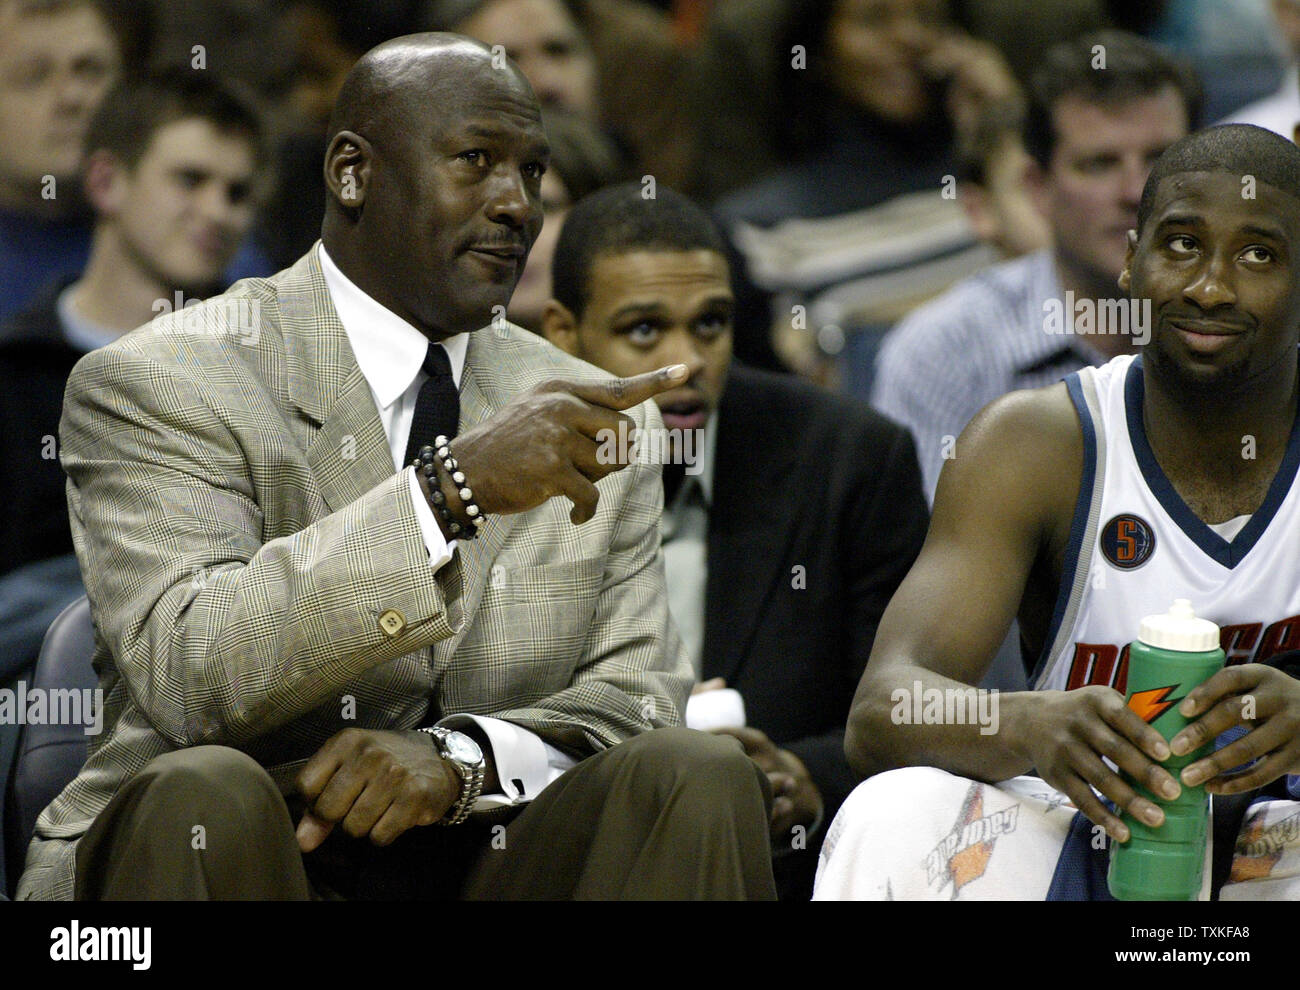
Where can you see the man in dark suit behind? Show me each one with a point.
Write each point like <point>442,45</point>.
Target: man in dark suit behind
<point>790,516</point>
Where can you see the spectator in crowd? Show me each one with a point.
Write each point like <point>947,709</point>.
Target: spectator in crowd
<point>1279,112</point>
<point>1022,30</point>
<point>57,59</point>
<point>544,39</point>
<point>615,63</point>
<point>172,165</point>
<point>326,37</point>
<point>248,42</point>
<point>992,183</point>
<point>732,102</point>
<point>293,570</point>
<point>582,161</point>
<point>866,225</point>
<point>1234,46</point>
<point>1093,135</point>
<point>791,514</point>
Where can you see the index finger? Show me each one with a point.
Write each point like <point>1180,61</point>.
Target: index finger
<point>624,393</point>
<point>1132,727</point>
<point>1229,680</point>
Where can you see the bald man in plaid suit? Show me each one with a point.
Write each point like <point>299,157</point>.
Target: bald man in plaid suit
<point>278,610</point>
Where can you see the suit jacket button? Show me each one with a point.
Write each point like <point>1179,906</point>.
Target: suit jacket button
<point>392,622</point>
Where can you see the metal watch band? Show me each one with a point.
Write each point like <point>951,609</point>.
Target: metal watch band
<point>471,777</point>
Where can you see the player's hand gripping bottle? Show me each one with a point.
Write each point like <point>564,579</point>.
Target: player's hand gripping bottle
<point>1173,654</point>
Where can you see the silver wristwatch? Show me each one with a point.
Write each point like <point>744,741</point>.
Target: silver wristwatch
<point>464,754</point>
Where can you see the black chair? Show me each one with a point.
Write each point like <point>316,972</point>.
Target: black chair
<point>49,756</point>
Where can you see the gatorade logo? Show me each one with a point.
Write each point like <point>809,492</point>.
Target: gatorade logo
<point>962,856</point>
<point>1261,843</point>
<point>1127,541</point>
<point>1150,705</point>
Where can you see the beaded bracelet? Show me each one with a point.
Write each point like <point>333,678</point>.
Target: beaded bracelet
<point>427,462</point>
<point>439,501</point>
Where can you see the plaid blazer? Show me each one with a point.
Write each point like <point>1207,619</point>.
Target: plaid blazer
<point>241,532</point>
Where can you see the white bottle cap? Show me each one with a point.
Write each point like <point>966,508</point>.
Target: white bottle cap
<point>1179,629</point>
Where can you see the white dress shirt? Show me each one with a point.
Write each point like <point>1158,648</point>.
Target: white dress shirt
<point>684,531</point>
<point>390,353</point>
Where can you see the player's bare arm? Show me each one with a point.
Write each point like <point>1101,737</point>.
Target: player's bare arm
<point>997,539</point>
<point>996,509</point>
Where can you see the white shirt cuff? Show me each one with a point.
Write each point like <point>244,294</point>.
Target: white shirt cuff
<point>525,763</point>
<point>439,549</point>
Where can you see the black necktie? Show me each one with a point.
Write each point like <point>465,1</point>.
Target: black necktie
<point>437,408</point>
<point>674,475</point>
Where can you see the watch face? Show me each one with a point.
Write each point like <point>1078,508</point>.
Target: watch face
<point>461,747</point>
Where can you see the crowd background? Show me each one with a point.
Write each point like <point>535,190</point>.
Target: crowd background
<point>759,109</point>
<point>762,110</point>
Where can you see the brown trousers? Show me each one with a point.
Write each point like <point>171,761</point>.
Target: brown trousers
<point>669,814</point>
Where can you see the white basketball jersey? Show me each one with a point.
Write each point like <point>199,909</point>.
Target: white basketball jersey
<point>1135,546</point>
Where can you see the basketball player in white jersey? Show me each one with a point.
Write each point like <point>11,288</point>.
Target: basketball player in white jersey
<point>1081,508</point>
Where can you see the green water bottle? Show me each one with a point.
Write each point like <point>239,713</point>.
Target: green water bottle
<point>1173,654</point>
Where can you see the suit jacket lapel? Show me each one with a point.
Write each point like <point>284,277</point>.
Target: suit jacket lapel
<point>750,525</point>
<point>349,453</point>
<point>485,386</point>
